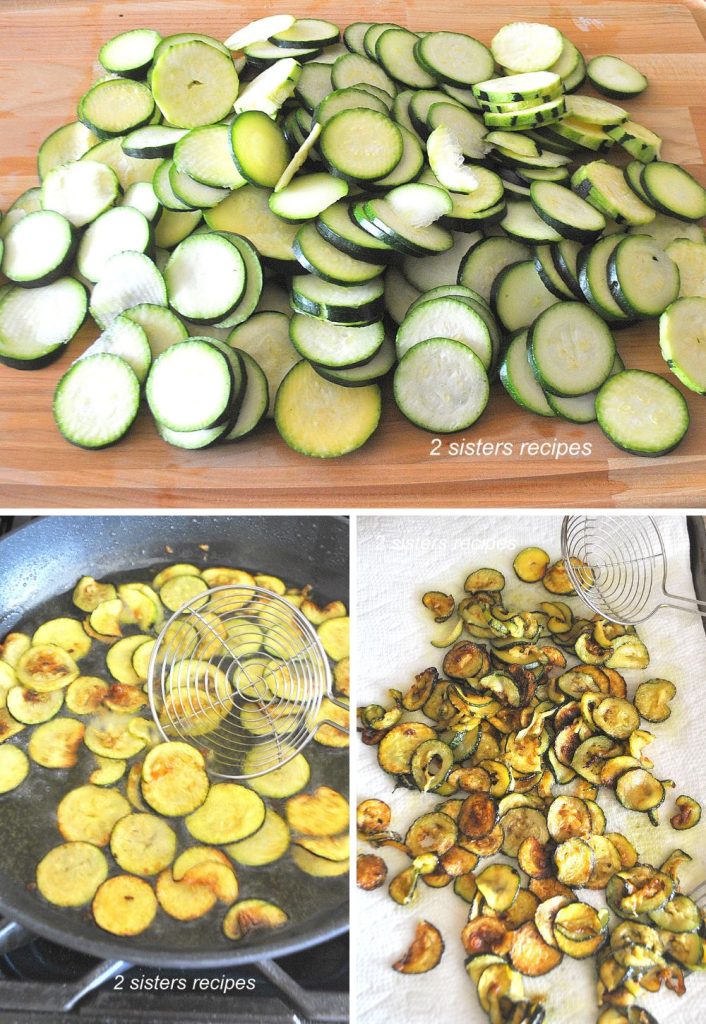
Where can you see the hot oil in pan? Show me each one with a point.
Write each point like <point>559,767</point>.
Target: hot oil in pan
<point>28,823</point>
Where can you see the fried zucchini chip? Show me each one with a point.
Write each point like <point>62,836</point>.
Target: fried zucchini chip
<point>86,694</point>
<point>13,647</point>
<point>14,768</point>
<point>88,593</point>
<point>229,813</point>
<point>66,633</point>
<point>133,787</point>
<point>273,583</point>
<point>223,576</point>
<point>46,667</point>
<point>439,604</point>
<point>104,620</point>
<point>143,844</point>
<point>574,862</point>
<point>219,879</point>
<point>119,659</point>
<point>182,900</point>
<point>266,846</point>
<point>568,816</point>
<point>282,782</point>
<point>687,815</point>
<point>125,699</point>
<point>109,735</point>
<point>517,824</point>
<point>140,607</point>
<point>194,855</point>
<point>89,813</point>
<point>334,635</point>
<point>318,867</point>
<point>174,779</point>
<point>478,815</point>
<point>498,980</point>
<point>250,916</point>
<point>556,579</point>
<point>334,848</point>
<point>546,913</point>
<point>398,745</point>
<point>328,735</point>
<point>32,708</point>
<point>425,952</point>
<point>318,615</point>
<point>69,875</point>
<point>486,935</point>
<point>124,905</point>
<point>373,816</point>
<point>652,699</point>
<point>342,677</point>
<point>55,744</point>
<point>107,771</point>
<point>531,564</point>
<point>324,812</point>
<point>535,858</point>
<point>530,954</point>
<point>371,871</point>
<point>499,885</point>
<point>9,726</point>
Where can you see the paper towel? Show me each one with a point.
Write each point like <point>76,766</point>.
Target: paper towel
<point>399,558</point>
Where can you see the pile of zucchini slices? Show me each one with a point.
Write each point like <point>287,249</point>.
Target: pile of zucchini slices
<point>529,721</point>
<point>144,829</point>
<point>436,209</point>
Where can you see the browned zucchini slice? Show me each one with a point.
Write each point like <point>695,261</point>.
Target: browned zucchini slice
<point>499,980</point>
<point>616,717</point>
<point>133,787</point>
<point>439,604</point>
<point>267,845</point>
<point>46,667</point>
<point>499,886</point>
<point>66,633</point>
<point>404,888</point>
<point>174,779</point>
<point>108,734</point>
<point>124,905</point>
<point>328,735</point>
<point>626,851</point>
<point>182,900</point>
<point>342,678</point>
<point>457,861</point>
<point>229,813</point>
<point>568,816</point>
<point>69,875</point>
<point>32,708</point>
<point>530,954</point>
<point>139,608</point>
<point>679,914</point>
<point>179,590</point>
<point>639,790</point>
<point>218,878</point>
<point>574,862</point>
<point>88,593</point>
<point>194,855</point>
<point>531,564</point>
<point>465,887</point>
<point>579,922</point>
<point>371,871</point>
<point>590,756</point>
<point>250,916</point>
<point>14,767</point>
<point>89,813</point>
<point>478,815</point>
<point>85,695</point>
<point>56,743</point>
<point>484,846</point>
<point>322,813</point>
<point>485,580</point>
<point>430,764</point>
<point>143,844</point>
<point>688,813</point>
<point>606,861</point>
<point>126,700</point>
<point>642,889</point>
<point>687,948</point>
<point>397,746</point>
<point>334,635</point>
<point>431,833</point>
<point>465,659</point>
<point>373,816</point>
<point>517,824</point>
<point>546,913</point>
<point>628,652</point>
<point>652,699</point>
<point>420,690</point>
<point>535,858</point>
<point>425,952</point>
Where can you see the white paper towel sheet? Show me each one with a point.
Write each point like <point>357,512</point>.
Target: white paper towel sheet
<point>401,557</point>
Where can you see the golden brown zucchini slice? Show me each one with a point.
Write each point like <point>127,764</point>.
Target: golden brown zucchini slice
<point>579,922</point>
<point>606,861</point>
<point>194,855</point>
<point>590,756</point>
<point>13,647</point>
<point>66,633</point>
<point>334,635</point>
<point>652,699</point>
<point>55,744</point>
<point>530,954</point>
<point>342,677</point>
<point>107,771</point>
<point>439,604</point>
<point>535,858</point>
<point>119,659</point>
<point>124,905</point>
<point>404,888</point>
<point>556,579</point>
<point>250,916</point>
<point>224,576</point>
<point>85,695</point>
<point>373,816</point>
<point>546,913</point>
<point>421,689</point>
<point>485,580</point>
<point>69,875</point>
<point>568,816</point>
<point>398,745</point>
<point>639,790</point>
<point>125,699</point>
<point>318,867</point>
<point>484,846</point>
<point>105,618</point>
<point>478,815</point>
<point>430,764</point>
<point>517,824</point>
<point>174,779</point>
<point>590,652</point>
<point>686,948</point>
<point>219,879</point>
<point>89,593</point>
<point>46,667</point>
<point>574,862</point>
<point>616,717</point>
<point>688,813</point>
<point>499,885</point>
<point>431,833</point>
<point>628,652</point>
<point>324,812</point>
<point>457,861</point>
<point>281,782</point>
<point>88,814</point>
<point>32,708</point>
<point>328,735</point>
<point>679,914</point>
<point>143,844</point>
<point>182,900</point>
<point>133,787</point>
<point>334,848</point>
<point>14,767</point>
<point>371,871</point>
<point>486,935</point>
<point>108,734</point>
<point>317,614</point>
<point>425,952</point>
<point>266,846</point>
<point>464,660</point>
<point>640,890</point>
<point>496,981</point>
<point>9,726</point>
<point>531,564</point>
<point>273,583</point>
<point>230,812</point>
<point>626,851</point>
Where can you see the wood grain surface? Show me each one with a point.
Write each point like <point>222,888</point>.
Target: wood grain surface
<point>48,58</point>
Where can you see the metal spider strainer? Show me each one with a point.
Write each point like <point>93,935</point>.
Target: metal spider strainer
<point>624,572</point>
<point>240,673</point>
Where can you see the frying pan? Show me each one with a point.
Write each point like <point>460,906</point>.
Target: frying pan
<point>44,559</point>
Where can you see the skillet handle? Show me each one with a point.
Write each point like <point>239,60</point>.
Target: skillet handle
<point>12,936</point>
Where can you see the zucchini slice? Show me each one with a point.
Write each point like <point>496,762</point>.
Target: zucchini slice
<point>250,916</point>
<point>107,771</point>
<point>268,844</point>
<point>70,874</point>
<point>46,667</point>
<point>143,844</point>
<point>32,708</point>
<point>108,734</point>
<point>629,405</point>
<point>56,743</point>
<point>499,886</point>
<point>229,813</point>
<point>14,767</point>
<point>86,694</point>
<point>174,779</point>
<point>322,813</point>
<point>425,952</point>
<point>124,905</point>
<point>183,900</point>
<point>530,954</point>
<point>318,867</point>
<point>687,815</point>
<point>89,813</point>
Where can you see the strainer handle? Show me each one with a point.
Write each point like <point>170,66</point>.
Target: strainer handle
<point>685,604</point>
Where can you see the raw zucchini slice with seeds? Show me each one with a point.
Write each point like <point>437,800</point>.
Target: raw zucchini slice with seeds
<point>38,248</point>
<point>410,164</point>
<point>571,349</point>
<point>539,86</point>
<point>642,413</point>
<point>352,69</point>
<point>322,419</point>
<point>615,77</point>
<point>80,190</point>
<point>205,278</point>
<point>259,30</point>
<point>486,258</point>
<point>337,226</point>
<point>190,386</point>
<point>637,140</point>
<point>566,212</point>
<point>690,258</point>
<point>523,47</point>
<point>441,385</point>
<point>63,146</point>
<point>162,327</point>
<point>454,58</point>
<point>450,318</point>
<point>128,279</point>
<point>314,84</point>
<point>162,184</point>
<point>335,345</point>
<point>395,50</point>
<point>152,141</point>
<point>519,296</point>
<point>582,408</point>
<point>519,380</point>
<point>96,401</point>
<point>367,373</point>
<point>338,303</point>
<point>259,148</point>
<point>36,323</point>
<point>205,155</point>
<point>643,279</point>
<point>351,98</point>
<point>115,106</point>
<point>192,193</point>
<point>120,229</point>
<point>126,339</point>
<point>361,145</point>
<point>193,83</point>
<point>130,53</point>
<point>682,341</point>
<point>307,196</point>
<point>593,279</point>
<point>266,54</point>
<point>469,130</point>
<point>522,222</point>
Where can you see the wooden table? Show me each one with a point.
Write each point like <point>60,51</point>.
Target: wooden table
<point>47,59</point>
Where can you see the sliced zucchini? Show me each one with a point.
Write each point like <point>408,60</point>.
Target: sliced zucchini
<point>629,405</point>
<point>14,767</point>
<point>604,186</point>
<point>80,190</point>
<point>229,813</point>
<point>69,875</point>
<point>615,77</point>
<point>425,952</point>
<point>174,780</point>
<point>124,905</point>
<point>447,368</point>
<point>193,83</point>
<point>56,743</point>
<point>687,815</point>
<point>89,813</point>
<point>250,916</point>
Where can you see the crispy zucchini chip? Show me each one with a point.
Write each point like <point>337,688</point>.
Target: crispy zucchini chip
<point>431,833</point>
<point>219,879</point>
<point>182,900</point>
<point>86,694</point>
<point>89,813</point>
<point>478,815</point>
<point>229,813</point>
<point>174,779</point>
<point>107,771</point>
<point>224,576</point>
<point>55,744</point>
<point>143,844</point>
<point>499,885</point>
<point>517,824</point>
<point>140,608</point>
<point>66,633</point>
<point>574,862</point>
<point>109,735</point>
<point>556,579</point>
<point>568,816</point>
<point>69,875</point>
<point>531,564</point>
<point>126,700</point>
<point>324,812</point>
<point>14,768</point>
<point>439,604</point>
<point>652,699</point>
<point>530,954</point>
<point>628,652</point>
<point>124,905</point>
<point>496,981</point>
<point>133,787</point>
<point>317,614</point>
<point>88,593</point>
<point>606,861</point>
<point>688,813</point>
<point>250,916</point>
<point>318,867</point>
<point>273,583</point>
<point>639,790</point>
<point>484,580</point>
<point>373,816</point>
<point>464,660</point>
<point>616,717</point>
<point>486,935</point>
<point>265,847</point>
<point>45,667</point>
<point>194,855</point>
<point>281,782</point>
<point>334,848</point>
<point>425,952</point>
<point>32,708</point>
<point>404,888</point>
<point>535,858</point>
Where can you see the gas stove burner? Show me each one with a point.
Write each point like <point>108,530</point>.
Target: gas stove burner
<point>41,960</point>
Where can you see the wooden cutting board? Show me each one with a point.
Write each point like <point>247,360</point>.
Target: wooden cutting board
<point>48,58</point>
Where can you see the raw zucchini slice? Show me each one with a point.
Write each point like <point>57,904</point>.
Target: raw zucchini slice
<point>523,47</point>
<point>320,257</point>
<point>682,328</point>
<point>128,279</point>
<point>454,58</point>
<point>124,905</point>
<point>36,324</point>
<point>530,117</point>
<point>342,304</point>
<point>441,385</point>
<point>643,279</point>
<point>522,222</point>
<point>69,875</point>
<point>205,155</point>
<point>351,98</point>
<point>615,77</point>
<point>314,84</point>
<point>642,412</point>
<point>582,408</point>
<point>162,328</point>
<point>367,373</point>
<point>486,258</point>
<point>259,148</point>
<point>306,32</point>
<point>265,54</point>
<point>605,187</point>
<point>307,196</point>
<point>259,30</point>
<point>246,212</point>
<point>96,401</point>
<point>582,133</point>
<point>192,194</point>
<point>335,345</point>
<point>518,379</point>
<point>354,69</point>
<point>448,318</point>
<point>690,258</point>
<point>265,337</point>
<point>194,84</point>
<point>270,89</point>
<point>395,51</point>
<point>190,386</point>
<point>115,106</point>
<point>673,191</point>
<point>571,349</point>
<point>566,212</point>
<point>593,279</point>
<point>127,169</point>
<point>323,419</point>
<point>205,279</point>
<point>63,146</point>
<point>519,296</point>
<point>115,231</point>
<point>130,53</point>
<point>360,144</point>
<point>80,190</point>
<point>637,140</point>
<point>38,248</point>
